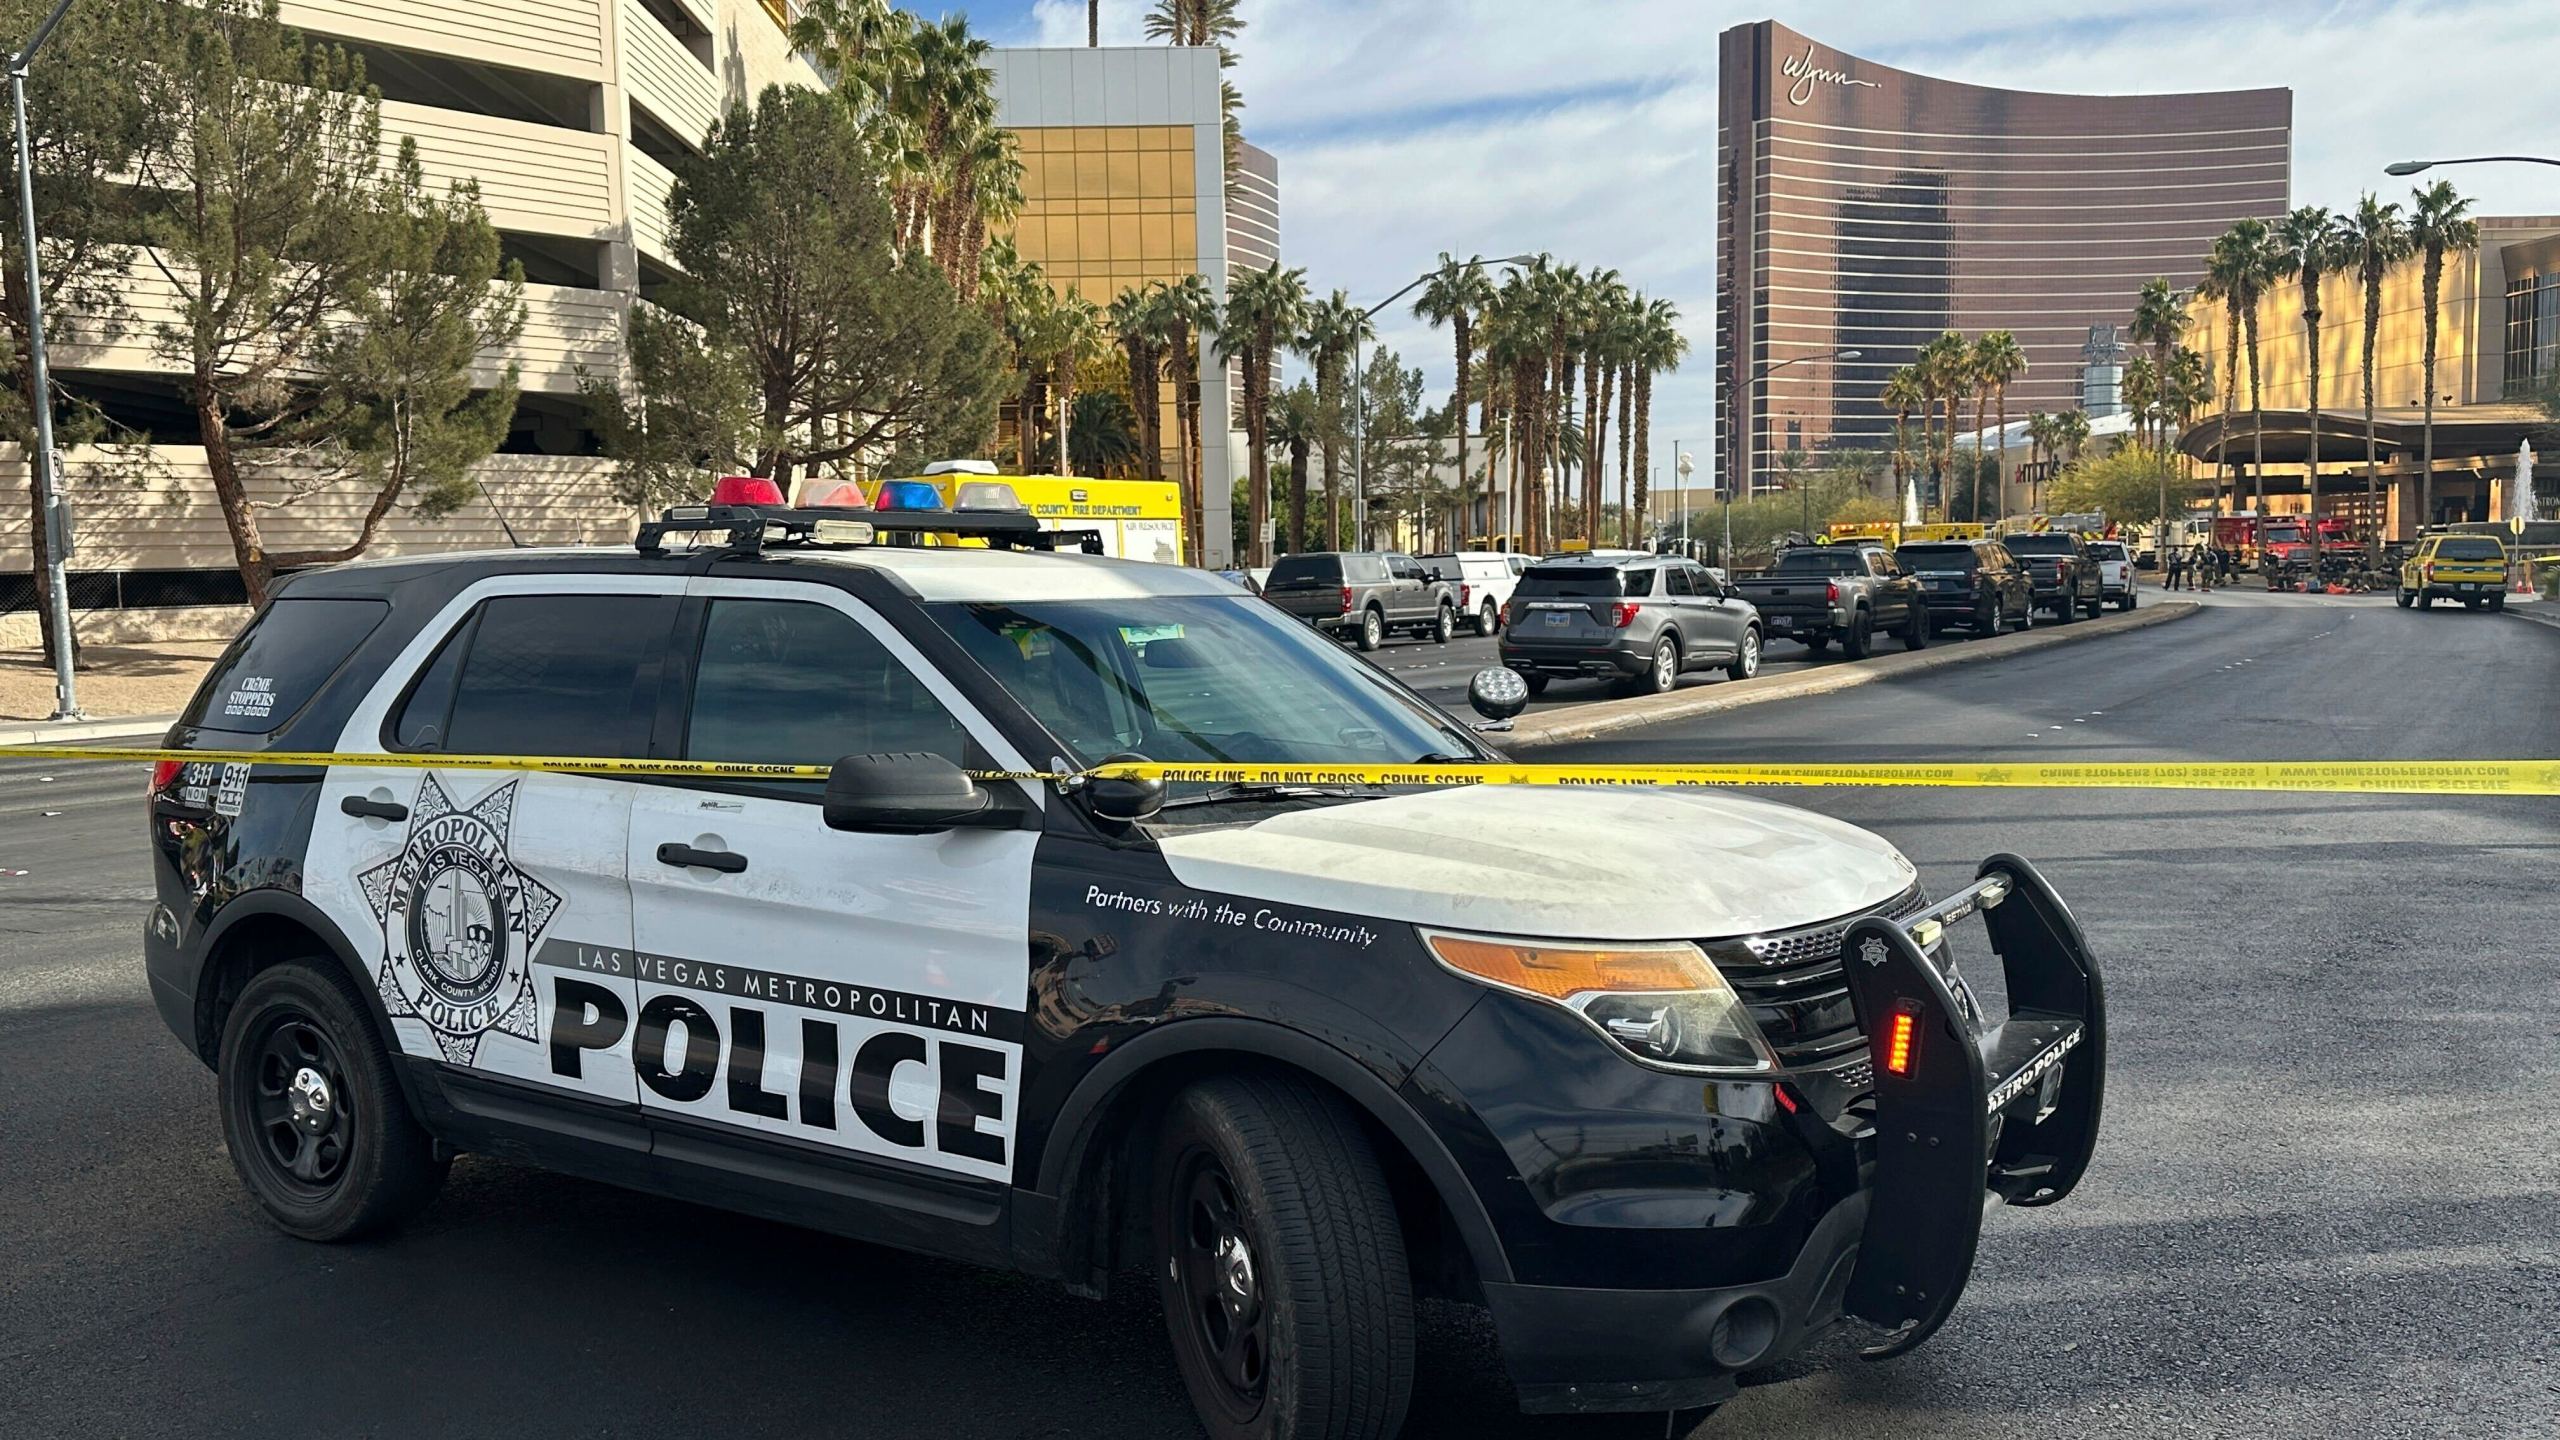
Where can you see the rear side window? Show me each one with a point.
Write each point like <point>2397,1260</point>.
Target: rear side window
<point>280,662</point>
<point>542,675</point>
<point>1295,572</point>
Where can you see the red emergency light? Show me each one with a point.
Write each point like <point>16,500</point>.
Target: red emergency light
<point>746,490</point>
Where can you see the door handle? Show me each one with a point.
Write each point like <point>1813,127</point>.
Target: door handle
<point>727,862</point>
<point>364,809</point>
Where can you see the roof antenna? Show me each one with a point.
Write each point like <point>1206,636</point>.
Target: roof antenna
<point>494,510</point>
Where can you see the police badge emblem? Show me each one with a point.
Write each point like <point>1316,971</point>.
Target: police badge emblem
<point>460,922</point>
<point>1872,950</point>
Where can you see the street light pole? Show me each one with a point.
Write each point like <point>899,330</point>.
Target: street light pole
<point>1360,394</point>
<point>45,463</point>
<point>1763,373</point>
<point>2412,167</point>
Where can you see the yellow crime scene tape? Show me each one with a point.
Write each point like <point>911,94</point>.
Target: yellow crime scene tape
<point>2372,777</point>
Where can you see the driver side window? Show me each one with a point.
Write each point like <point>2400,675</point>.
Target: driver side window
<point>791,682</point>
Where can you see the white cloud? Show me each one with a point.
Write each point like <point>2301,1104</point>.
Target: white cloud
<point>1587,129</point>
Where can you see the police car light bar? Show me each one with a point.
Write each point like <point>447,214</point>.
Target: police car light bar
<point>747,528</point>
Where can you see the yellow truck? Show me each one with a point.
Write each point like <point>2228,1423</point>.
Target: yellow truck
<point>1137,519</point>
<point>2468,568</point>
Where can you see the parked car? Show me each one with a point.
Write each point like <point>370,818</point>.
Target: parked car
<point>1977,584</point>
<point>1849,593</point>
<point>1640,620</point>
<point>2066,578</point>
<point>1484,578</point>
<point>2115,573</point>
<point>1365,594</point>
<point>2468,568</point>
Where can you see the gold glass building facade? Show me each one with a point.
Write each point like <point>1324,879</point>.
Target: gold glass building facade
<point>1106,208</point>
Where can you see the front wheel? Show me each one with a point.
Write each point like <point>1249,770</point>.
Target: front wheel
<point>1373,630</point>
<point>1443,625</point>
<point>1488,619</point>
<point>1746,657</point>
<point>1281,1266</point>
<point>311,1113</point>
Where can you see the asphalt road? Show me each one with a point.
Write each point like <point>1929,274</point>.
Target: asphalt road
<point>1441,672</point>
<point>2325,1203</point>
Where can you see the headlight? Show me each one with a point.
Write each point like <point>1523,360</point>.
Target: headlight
<point>1665,1004</point>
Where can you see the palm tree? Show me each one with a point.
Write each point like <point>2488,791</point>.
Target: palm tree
<point>2237,272</point>
<point>1297,423</point>
<point>1093,24</point>
<point>868,46</point>
<point>1604,297</point>
<point>2440,224</point>
<point>2040,435</point>
<point>1903,394</point>
<point>1207,22</point>
<point>1456,295</point>
<point>1335,326</point>
<point>1135,323</point>
<point>1655,347</point>
<point>1945,364</point>
<point>2375,241</point>
<point>1262,307</point>
<point>2141,389</point>
<point>2159,322</point>
<point>2307,245</point>
<point>1187,314</point>
<point>1997,364</point>
<point>1075,334</point>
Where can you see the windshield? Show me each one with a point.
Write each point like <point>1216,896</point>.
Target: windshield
<point>1196,679</point>
<point>1936,557</point>
<point>1821,562</point>
<point>2039,544</point>
<point>2281,535</point>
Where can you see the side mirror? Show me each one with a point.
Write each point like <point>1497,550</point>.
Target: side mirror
<point>1498,694</point>
<point>1124,801</point>
<point>911,794</point>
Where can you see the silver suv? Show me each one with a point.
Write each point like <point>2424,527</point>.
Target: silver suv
<point>1639,620</point>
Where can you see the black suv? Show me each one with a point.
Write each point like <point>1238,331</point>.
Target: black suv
<point>2067,581</point>
<point>1974,583</point>
<point>891,960</point>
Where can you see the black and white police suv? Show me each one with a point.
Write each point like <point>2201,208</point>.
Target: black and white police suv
<point>1299,1052</point>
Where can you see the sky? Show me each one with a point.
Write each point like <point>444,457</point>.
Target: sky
<point>1586,128</point>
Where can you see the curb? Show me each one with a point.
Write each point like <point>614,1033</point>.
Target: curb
<point>2544,613</point>
<point>1581,722</point>
<point>72,732</point>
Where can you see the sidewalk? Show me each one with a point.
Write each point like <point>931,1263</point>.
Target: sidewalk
<point>126,689</point>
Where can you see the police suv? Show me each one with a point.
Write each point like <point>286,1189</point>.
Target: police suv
<point>1287,1048</point>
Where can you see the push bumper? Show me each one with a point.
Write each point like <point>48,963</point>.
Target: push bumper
<point>1967,1119</point>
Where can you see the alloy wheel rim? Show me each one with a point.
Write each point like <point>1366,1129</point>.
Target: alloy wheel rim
<point>1219,1276</point>
<point>1666,667</point>
<point>298,1104</point>
<point>1750,654</point>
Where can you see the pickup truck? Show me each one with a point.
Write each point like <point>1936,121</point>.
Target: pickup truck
<point>2115,573</point>
<point>2064,572</point>
<point>1364,594</point>
<point>1820,593</point>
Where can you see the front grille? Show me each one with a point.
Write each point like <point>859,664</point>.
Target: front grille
<point>1790,981</point>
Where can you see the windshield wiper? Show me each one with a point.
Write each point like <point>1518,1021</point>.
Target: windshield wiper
<point>1269,790</point>
<point>1436,757</point>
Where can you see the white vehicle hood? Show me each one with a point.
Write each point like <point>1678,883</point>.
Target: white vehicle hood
<point>1559,863</point>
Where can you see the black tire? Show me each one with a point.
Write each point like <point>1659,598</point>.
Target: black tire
<point>1859,638</point>
<point>1443,625</point>
<point>1537,684</point>
<point>2424,601</point>
<point>2067,611</point>
<point>1488,619</point>
<point>2027,615</point>
<point>1990,619</point>
<point>1746,656</point>
<point>312,1113</point>
<point>1280,1264</point>
<point>1373,629</point>
<point>2097,606</point>
<point>2132,598</point>
<point>2498,602</point>
<point>2403,597</point>
<point>1915,632</point>
<point>1662,675</point>
<point>2472,605</point>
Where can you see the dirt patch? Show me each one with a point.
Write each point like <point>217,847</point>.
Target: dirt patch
<point>113,680</point>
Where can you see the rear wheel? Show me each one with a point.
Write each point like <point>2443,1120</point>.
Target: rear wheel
<point>1746,657</point>
<point>1373,629</point>
<point>2402,596</point>
<point>1663,675</point>
<point>1443,625</point>
<point>2498,601</point>
<point>1859,638</point>
<point>2097,604</point>
<point>1537,684</point>
<point>1280,1264</point>
<point>1915,632</point>
<point>2067,611</point>
<point>311,1112</point>
<point>2423,600</point>
<point>1488,619</point>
